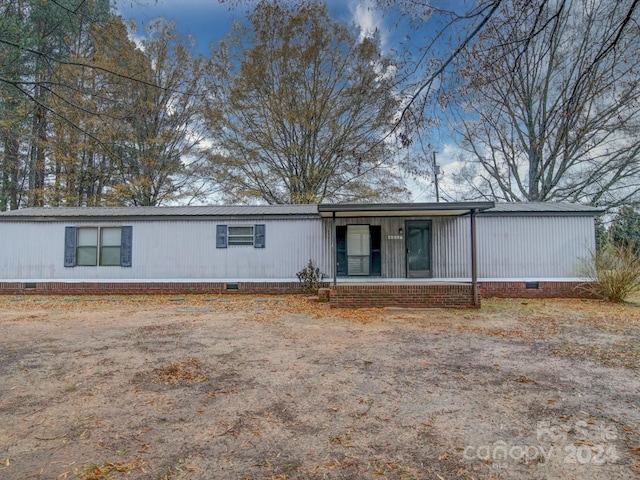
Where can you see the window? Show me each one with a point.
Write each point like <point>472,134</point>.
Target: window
<point>110,240</point>
<point>240,235</point>
<point>358,250</point>
<point>93,246</point>
<point>87,247</point>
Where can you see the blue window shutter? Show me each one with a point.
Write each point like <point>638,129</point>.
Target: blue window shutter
<point>70,246</point>
<point>126,242</point>
<point>221,236</point>
<point>258,236</point>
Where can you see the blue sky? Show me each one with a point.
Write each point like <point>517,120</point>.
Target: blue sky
<point>209,20</point>
<point>205,20</point>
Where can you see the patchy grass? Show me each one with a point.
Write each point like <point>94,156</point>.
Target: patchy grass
<point>186,371</point>
<point>248,387</point>
<point>109,470</point>
<point>625,354</point>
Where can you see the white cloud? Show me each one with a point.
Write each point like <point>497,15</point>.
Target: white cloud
<point>449,158</point>
<point>138,40</point>
<point>368,18</point>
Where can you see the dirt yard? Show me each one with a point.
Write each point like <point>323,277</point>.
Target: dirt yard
<point>243,387</point>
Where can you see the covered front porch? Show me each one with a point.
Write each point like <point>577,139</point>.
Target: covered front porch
<point>403,254</point>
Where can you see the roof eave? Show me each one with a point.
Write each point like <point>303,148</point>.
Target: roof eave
<point>544,213</point>
<point>148,218</point>
<point>402,209</point>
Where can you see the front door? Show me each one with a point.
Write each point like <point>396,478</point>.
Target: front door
<point>418,242</point>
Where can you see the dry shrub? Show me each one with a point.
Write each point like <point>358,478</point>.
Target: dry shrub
<point>614,273</point>
<point>310,278</point>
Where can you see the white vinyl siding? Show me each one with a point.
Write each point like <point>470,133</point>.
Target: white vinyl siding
<point>182,250</point>
<point>529,247</point>
<point>509,247</point>
<point>519,247</point>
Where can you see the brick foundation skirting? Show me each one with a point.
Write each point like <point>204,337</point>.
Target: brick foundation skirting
<point>148,288</point>
<point>543,290</point>
<point>447,296</point>
<point>399,295</point>
<point>349,296</point>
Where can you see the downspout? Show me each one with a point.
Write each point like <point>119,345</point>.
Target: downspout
<point>334,253</point>
<point>474,259</point>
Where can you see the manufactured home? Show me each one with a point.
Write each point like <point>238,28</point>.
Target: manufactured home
<point>416,254</point>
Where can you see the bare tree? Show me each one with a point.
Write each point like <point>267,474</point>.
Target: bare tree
<point>551,105</point>
<point>547,106</point>
<point>300,106</point>
<point>157,145</point>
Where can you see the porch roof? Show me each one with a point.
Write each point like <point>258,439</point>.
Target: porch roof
<point>402,209</point>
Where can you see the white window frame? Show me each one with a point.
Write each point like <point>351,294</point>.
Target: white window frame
<point>98,262</point>
<point>102,247</point>
<point>358,250</point>
<point>82,247</point>
<point>240,239</point>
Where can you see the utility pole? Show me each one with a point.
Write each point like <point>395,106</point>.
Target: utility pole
<point>436,172</point>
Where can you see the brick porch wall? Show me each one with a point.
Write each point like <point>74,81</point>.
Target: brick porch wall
<point>544,290</point>
<point>410,296</point>
<point>147,288</point>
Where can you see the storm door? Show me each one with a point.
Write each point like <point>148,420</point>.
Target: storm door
<point>418,243</point>
<point>358,250</point>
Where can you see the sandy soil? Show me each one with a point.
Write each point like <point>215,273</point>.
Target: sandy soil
<point>243,387</point>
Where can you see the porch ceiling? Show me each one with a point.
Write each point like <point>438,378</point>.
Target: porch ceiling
<point>402,209</point>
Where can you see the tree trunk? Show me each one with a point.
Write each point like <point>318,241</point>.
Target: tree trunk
<point>10,170</point>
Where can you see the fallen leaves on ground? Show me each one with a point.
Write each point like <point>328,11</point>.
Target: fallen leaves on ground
<point>188,371</point>
<point>265,308</point>
<point>618,354</point>
<point>513,318</point>
<point>494,332</point>
<point>107,469</point>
